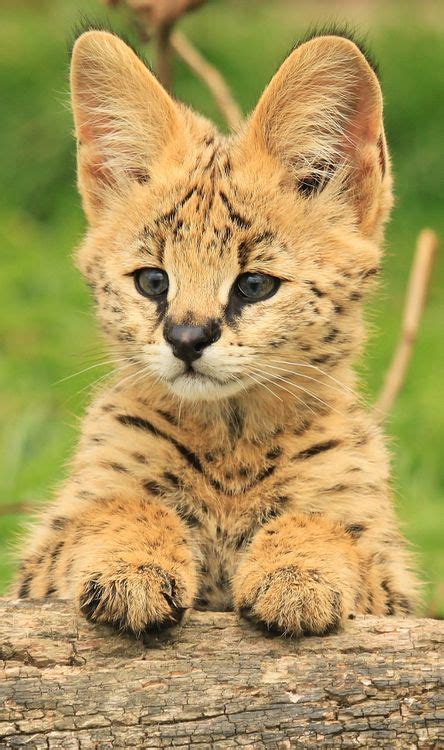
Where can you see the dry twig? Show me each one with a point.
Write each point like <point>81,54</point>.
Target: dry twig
<point>427,246</point>
<point>210,76</point>
<point>157,18</point>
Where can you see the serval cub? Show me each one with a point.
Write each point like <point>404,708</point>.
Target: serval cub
<point>230,464</point>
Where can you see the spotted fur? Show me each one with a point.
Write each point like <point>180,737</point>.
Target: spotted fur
<point>256,481</point>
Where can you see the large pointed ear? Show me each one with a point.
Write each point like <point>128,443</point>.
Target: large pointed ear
<point>123,117</point>
<point>321,117</point>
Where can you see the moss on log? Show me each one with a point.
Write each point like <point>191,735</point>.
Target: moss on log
<point>216,683</point>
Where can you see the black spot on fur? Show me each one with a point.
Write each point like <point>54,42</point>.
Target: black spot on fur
<point>370,272</point>
<point>395,603</point>
<point>314,450</point>
<point>188,517</point>
<point>389,597</point>
<point>58,523</point>
<point>154,488</point>
<point>91,598</point>
<point>322,360</point>
<point>303,427</point>
<point>25,585</point>
<point>331,336</point>
<point>356,530</point>
<point>242,540</point>
<point>173,479</point>
<point>140,458</point>
<point>273,453</point>
<point>316,290</point>
<point>118,467</point>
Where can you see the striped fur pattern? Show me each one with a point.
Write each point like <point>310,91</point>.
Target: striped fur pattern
<point>255,480</point>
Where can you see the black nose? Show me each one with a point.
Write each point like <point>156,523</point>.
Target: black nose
<point>188,342</point>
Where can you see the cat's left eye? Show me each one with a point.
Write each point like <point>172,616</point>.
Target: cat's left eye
<point>151,282</point>
<point>257,286</point>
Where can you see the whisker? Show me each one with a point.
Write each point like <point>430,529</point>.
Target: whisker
<point>92,367</point>
<point>307,377</point>
<point>290,382</point>
<point>318,369</point>
<point>130,377</point>
<point>270,380</point>
<point>260,383</point>
<point>95,383</point>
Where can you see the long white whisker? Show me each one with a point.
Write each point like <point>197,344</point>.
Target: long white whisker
<point>263,375</point>
<point>95,383</point>
<point>309,393</point>
<point>302,375</point>
<point>318,369</point>
<point>260,383</point>
<point>92,367</point>
<point>133,376</point>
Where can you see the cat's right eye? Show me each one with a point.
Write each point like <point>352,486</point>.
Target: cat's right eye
<point>151,282</point>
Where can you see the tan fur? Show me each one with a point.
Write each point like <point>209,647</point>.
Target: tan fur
<point>262,484</point>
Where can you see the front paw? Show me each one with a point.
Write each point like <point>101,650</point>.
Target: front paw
<point>289,600</point>
<point>134,598</point>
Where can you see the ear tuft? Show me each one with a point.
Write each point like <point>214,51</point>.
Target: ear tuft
<point>343,31</point>
<point>86,23</point>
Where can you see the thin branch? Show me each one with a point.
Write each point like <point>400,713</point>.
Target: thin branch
<point>164,55</point>
<point>19,507</point>
<point>210,76</point>
<point>426,249</point>
<point>157,17</point>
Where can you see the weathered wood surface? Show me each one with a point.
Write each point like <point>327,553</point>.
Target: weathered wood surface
<point>215,683</point>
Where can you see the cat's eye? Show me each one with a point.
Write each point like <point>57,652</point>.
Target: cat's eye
<point>257,286</point>
<point>151,282</point>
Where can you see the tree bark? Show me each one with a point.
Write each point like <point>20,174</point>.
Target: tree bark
<point>216,683</point>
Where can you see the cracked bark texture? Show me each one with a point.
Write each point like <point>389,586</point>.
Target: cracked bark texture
<point>216,683</point>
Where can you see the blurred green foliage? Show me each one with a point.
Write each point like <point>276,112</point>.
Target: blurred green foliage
<point>47,331</point>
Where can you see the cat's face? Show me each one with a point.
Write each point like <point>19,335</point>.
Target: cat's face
<point>217,263</point>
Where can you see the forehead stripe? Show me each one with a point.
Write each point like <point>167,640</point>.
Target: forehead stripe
<point>168,217</point>
<point>234,216</point>
<point>246,247</point>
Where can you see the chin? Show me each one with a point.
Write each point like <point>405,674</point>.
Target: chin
<point>197,387</point>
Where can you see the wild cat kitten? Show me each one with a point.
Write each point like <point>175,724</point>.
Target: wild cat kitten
<point>231,463</point>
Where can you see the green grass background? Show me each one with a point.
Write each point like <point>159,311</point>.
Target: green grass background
<point>47,330</point>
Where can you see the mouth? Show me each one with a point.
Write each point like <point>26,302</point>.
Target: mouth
<point>195,385</point>
<point>190,373</point>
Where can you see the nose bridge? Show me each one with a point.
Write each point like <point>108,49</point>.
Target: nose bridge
<point>195,301</point>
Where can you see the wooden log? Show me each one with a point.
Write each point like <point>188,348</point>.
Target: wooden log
<point>216,683</point>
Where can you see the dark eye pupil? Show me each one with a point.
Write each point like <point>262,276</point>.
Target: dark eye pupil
<point>257,286</point>
<point>151,281</point>
<point>254,286</point>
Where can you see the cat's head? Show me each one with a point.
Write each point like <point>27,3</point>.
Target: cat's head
<point>215,260</point>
